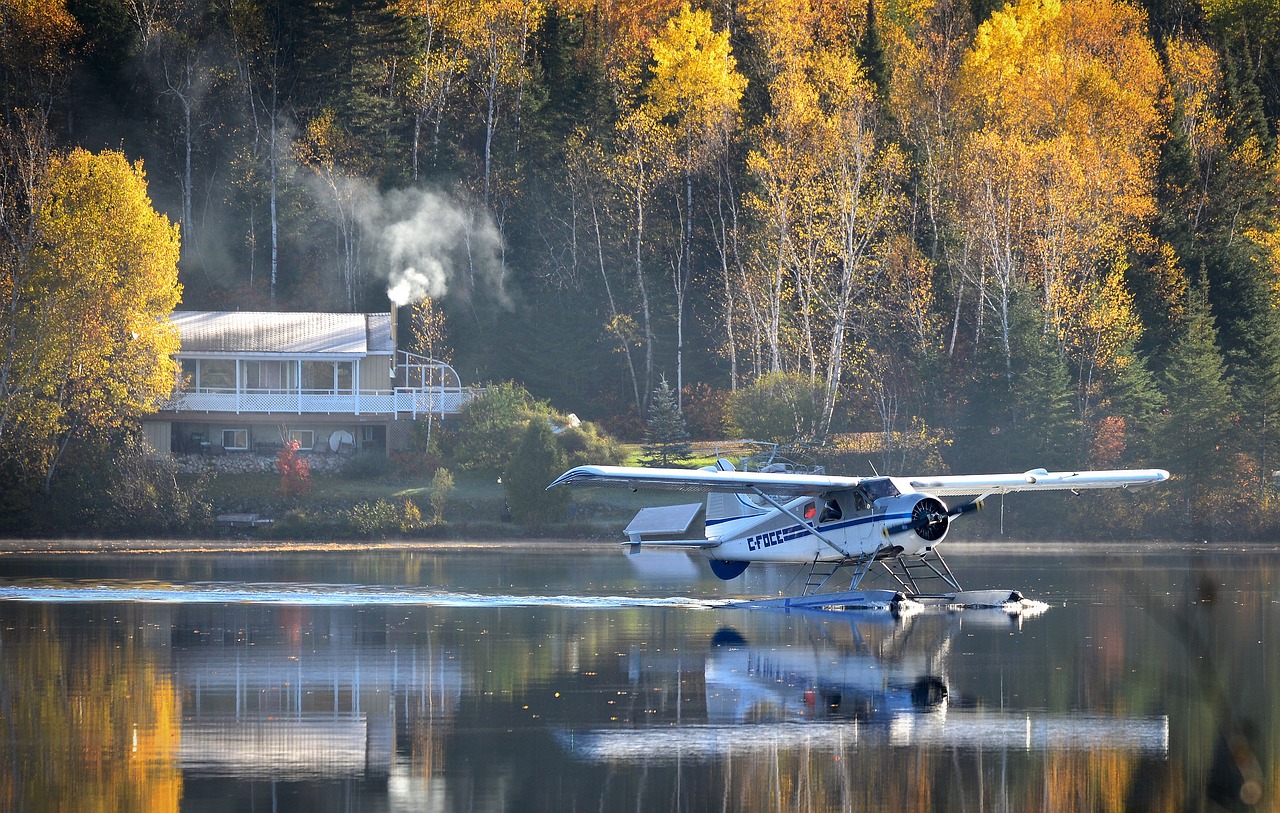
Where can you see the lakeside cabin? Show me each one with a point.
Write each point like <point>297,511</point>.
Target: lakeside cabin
<point>334,382</point>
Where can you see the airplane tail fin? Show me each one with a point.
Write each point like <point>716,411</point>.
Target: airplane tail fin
<point>721,507</point>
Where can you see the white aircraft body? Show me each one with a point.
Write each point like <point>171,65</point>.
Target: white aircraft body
<point>828,523</point>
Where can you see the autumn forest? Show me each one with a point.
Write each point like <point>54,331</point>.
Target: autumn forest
<point>994,236</point>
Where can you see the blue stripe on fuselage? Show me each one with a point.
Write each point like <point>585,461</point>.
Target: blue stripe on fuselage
<point>793,532</point>
<point>745,503</point>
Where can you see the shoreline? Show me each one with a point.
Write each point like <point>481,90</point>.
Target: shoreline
<point>18,547</point>
<point>958,548</point>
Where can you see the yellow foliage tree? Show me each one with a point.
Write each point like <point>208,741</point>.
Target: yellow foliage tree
<point>617,32</point>
<point>437,61</point>
<point>828,195</point>
<point>332,155</point>
<point>37,40</point>
<point>695,79</point>
<point>697,88</point>
<point>1056,173</point>
<point>85,340</point>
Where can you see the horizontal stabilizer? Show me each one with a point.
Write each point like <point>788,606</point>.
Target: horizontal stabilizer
<point>681,525</point>
<point>678,544</point>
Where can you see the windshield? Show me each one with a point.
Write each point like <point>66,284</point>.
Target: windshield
<point>878,487</point>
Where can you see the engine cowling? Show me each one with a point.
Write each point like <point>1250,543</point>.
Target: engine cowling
<point>930,520</point>
<point>925,521</point>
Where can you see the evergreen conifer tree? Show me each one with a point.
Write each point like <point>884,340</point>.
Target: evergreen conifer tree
<point>1048,428</point>
<point>1196,426</point>
<point>871,52</point>
<point>537,461</point>
<point>666,438</point>
<point>1258,393</point>
<point>1132,394</point>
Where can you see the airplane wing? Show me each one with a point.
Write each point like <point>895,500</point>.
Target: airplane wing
<point>1036,480</point>
<point>733,482</point>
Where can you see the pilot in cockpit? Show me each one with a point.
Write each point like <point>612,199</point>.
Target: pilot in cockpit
<point>831,511</point>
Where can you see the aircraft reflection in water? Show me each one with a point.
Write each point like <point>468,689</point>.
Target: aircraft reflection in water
<point>886,686</point>
<point>324,703</point>
<point>409,707</point>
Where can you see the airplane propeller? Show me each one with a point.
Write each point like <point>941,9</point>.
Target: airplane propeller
<point>927,514</point>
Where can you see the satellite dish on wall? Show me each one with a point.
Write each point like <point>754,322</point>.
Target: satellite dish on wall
<point>337,439</point>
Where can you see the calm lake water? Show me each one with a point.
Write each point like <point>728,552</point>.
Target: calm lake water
<point>567,677</point>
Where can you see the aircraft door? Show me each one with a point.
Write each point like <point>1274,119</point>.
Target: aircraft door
<point>861,529</point>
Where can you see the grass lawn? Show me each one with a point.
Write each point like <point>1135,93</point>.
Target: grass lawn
<point>478,501</point>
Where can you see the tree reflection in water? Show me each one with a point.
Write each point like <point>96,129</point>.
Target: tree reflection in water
<point>1143,687</point>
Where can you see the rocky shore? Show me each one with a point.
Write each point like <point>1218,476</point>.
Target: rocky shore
<point>250,463</point>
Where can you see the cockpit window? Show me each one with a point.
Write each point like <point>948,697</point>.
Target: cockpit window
<point>831,512</point>
<point>878,487</point>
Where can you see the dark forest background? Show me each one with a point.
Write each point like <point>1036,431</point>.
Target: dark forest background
<point>998,237</point>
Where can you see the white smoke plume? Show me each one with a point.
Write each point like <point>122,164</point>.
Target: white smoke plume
<point>428,244</point>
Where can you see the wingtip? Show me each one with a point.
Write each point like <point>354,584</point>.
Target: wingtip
<point>564,478</point>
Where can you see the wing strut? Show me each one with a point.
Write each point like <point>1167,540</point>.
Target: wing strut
<point>813,527</point>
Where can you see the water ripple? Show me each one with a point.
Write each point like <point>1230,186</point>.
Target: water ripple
<point>147,592</point>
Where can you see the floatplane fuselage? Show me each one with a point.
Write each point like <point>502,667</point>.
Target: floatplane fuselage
<point>830,524</point>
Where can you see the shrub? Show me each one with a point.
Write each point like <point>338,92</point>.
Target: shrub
<point>365,466</point>
<point>115,487</point>
<point>584,444</point>
<point>374,519</point>
<point>489,426</point>
<point>778,407</point>
<point>705,411</point>
<point>441,491</point>
<point>411,518</point>
<point>295,471</point>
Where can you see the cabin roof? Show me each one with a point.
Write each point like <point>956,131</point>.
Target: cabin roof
<point>276,332</point>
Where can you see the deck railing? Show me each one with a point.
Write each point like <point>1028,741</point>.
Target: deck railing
<point>399,402</point>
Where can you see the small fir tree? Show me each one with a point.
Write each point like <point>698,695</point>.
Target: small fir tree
<point>537,461</point>
<point>666,438</point>
<point>1047,429</point>
<point>1197,423</point>
<point>871,53</point>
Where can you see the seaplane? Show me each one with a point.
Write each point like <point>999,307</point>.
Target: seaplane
<point>831,524</point>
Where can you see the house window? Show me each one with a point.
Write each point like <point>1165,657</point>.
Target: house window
<point>235,440</point>
<point>269,375</point>
<point>188,372</point>
<point>317,376</point>
<point>324,377</point>
<point>342,376</point>
<point>306,438</point>
<point>216,375</point>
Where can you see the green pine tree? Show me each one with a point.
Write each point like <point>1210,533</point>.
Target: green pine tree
<point>871,52</point>
<point>537,461</point>
<point>1240,199</point>
<point>666,438</point>
<point>1196,426</point>
<point>1048,429</point>
<point>1130,392</point>
<point>1258,393</point>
